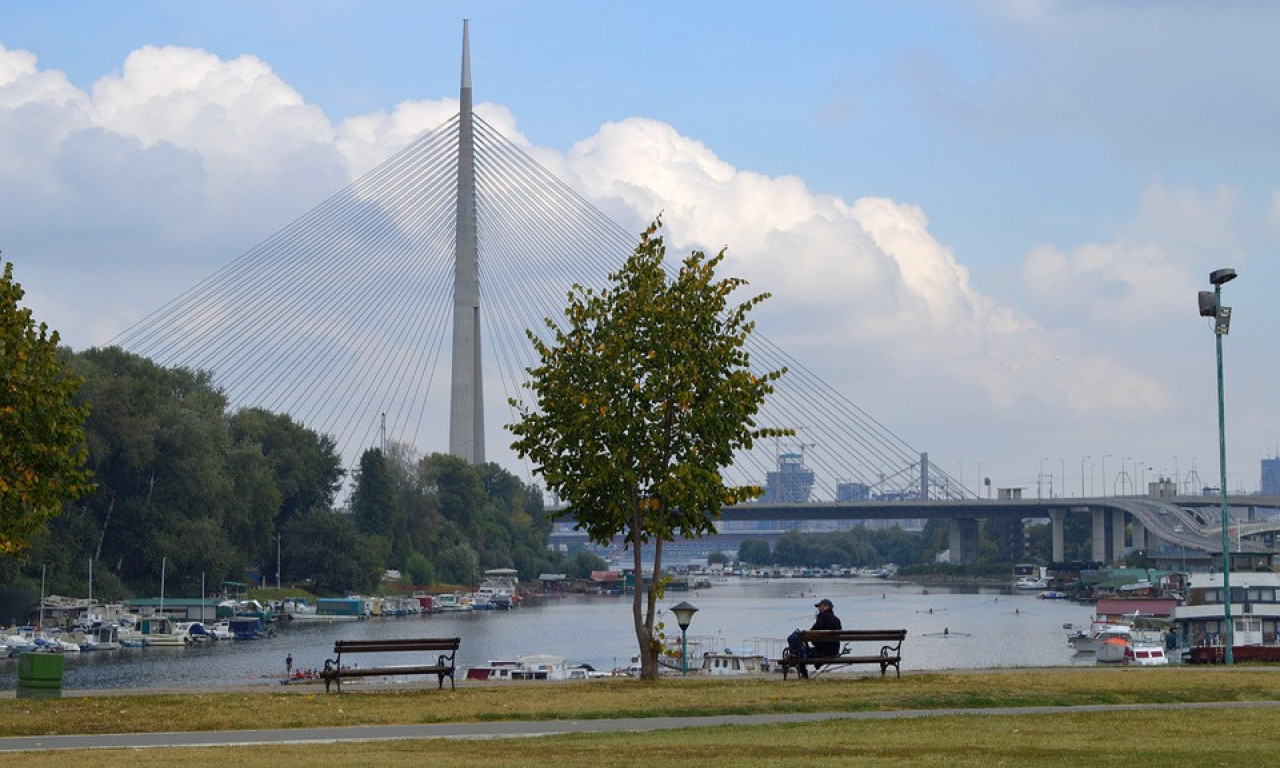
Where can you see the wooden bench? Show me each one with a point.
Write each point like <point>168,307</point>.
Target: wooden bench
<point>443,667</point>
<point>890,654</point>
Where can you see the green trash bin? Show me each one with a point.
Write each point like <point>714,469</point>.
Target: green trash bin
<point>39,675</point>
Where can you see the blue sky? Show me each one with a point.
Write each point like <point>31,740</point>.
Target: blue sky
<point>1039,188</point>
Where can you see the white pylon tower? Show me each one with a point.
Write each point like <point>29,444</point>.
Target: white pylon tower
<point>466,406</point>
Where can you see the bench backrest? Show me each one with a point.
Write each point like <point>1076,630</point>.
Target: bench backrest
<point>388,646</point>
<point>854,635</point>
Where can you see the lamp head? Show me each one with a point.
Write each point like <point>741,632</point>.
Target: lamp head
<point>684,614</point>
<point>1220,276</point>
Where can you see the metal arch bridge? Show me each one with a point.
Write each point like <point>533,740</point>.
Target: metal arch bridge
<point>341,319</point>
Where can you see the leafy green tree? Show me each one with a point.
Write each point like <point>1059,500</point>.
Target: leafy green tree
<point>157,447</point>
<point>324,546</point>
<point>755,551</point>
<point>306,464</point>
<point>640,401</point>
<point>374,503</point>
<point>42,452</point>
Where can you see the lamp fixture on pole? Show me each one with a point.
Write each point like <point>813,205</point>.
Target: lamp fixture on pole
<point>684,617</point>
<point>1211,306</point>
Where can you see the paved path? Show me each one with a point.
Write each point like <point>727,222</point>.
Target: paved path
<point>502,730</point>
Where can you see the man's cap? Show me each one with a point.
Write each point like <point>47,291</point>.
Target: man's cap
<point>822,602</point>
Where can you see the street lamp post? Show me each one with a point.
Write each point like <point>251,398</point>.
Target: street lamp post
<point>684,617</point>
<point>1082,493</point>
<point>1211,306</point>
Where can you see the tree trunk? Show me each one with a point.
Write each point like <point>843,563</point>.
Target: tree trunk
<point>643,623</point>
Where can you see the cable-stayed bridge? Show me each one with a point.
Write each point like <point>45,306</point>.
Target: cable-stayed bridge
<point>343,319</point>
<point>455,246</point>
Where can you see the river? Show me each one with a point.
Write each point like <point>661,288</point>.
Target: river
<point>948,628</point>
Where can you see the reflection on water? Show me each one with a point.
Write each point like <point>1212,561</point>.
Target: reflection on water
<point>948,628</point>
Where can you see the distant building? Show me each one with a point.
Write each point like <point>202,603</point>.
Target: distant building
<point>1271,477</point>
<point>852,491</point>
<point>791,483</point>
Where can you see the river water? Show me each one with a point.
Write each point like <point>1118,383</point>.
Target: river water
<point>948,628</point>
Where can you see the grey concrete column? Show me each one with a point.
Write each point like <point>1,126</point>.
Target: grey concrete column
<point>1100,535</point>
<point>1117,535</point>
<point>964,540</point>
<point>1057,517</point>
<point>1139,534</point>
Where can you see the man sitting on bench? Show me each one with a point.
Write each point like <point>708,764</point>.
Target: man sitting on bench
<point>826,619</point>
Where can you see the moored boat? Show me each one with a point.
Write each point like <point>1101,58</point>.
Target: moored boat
<point>727,663</point>
<point>1255,618</point>
<point>161,631</point>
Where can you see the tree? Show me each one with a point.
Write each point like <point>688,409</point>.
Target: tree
<point>640,401</point>
<point>308,470</point>
<point>42,451</point>
<point>755,552</point>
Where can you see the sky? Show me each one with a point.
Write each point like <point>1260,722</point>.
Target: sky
<point>985,223</point>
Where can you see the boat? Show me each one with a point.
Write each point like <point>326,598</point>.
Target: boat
<point>249,628</point>
<point>497,591</point>
<point>728,663</point>
<point>1030,576</point>
<point>13,641</point>
<point>1255,618</point>
<point>532,667</point>
<point>1087,641</point>
<point>451,601</point>
<point>300,610</point>
<point>195,631</point>
<point>1112,646</point>
<point>1144,655</point>
<point>161,631</point>
<point>104,637</point>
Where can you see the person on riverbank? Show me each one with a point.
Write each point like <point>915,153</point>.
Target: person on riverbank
<point>826,619</point>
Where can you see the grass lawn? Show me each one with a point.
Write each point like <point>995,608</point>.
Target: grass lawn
<point>1201,737</point>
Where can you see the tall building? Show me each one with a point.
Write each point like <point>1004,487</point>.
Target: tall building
<point>791,483</point>
<point>1271,477</point>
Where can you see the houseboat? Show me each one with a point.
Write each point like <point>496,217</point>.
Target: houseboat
<point>1255,617</point>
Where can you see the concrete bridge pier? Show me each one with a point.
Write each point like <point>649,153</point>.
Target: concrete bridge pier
<point>1057,518</point>
<point>964,540</point>
<point>1117,536</point>
<point>1099,535</point>
<point>1139,533</point>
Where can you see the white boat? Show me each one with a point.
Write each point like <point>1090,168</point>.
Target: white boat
<point>532,667</point>
<point>451,601</point>
<point>160,631</point>
<point>497,591</point>
<point>221,630</point>
<point>13,642</point>
<point>1145,655</point>
<point>104,637</point>
<point>1099,631</point>
<point>1030,576</point>
<point>194,631</point>
<point>727,663</point>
